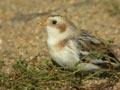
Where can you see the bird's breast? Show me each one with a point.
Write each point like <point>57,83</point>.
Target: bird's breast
<point>63,54</point>
<point>58,46</point>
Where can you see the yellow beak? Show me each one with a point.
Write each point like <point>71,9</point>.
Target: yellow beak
<point>43,23</point>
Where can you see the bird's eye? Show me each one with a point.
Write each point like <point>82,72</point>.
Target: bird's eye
<point>54,22</point>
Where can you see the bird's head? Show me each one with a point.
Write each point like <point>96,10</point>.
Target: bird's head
<point>58,26</point>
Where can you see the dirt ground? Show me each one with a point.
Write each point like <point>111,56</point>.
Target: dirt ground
<point>22,36</point>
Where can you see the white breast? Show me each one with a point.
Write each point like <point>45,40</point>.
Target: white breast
<point>67,57</point>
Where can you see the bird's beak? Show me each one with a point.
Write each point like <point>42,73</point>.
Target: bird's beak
<point>43,23</point>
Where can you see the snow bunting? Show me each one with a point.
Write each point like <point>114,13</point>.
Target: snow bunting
<point>70,47</point>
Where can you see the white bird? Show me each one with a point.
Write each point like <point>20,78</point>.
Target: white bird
<point>72,48</point>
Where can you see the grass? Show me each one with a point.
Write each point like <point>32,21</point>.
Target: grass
<point>113,7</point>
<point>24,77</point>
<point>48,76</point>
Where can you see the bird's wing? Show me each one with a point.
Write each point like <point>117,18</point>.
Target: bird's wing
<point>92,49</point>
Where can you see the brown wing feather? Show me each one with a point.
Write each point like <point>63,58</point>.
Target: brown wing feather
<point>86,42</point>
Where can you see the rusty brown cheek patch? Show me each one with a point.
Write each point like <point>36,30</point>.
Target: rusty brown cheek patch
<point>62,28</point>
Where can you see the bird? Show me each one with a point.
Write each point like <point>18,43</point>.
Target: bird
<point>74,48</point>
